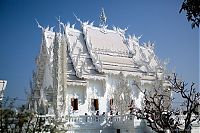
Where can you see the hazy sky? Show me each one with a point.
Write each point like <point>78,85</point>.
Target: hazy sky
<point>156,20</point>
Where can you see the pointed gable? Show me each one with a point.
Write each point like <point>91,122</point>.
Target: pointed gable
<point>109,40</point>
<point>79,54</point>
<point>108,49</point>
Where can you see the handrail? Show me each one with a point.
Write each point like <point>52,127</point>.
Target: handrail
<point>99,119</point>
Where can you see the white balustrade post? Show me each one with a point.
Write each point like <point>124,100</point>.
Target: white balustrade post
<point>167,131</point>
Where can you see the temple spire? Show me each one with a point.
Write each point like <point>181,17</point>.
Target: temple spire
<point>102,18</point>
<point>59,22</point>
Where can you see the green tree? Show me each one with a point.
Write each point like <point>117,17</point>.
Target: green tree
<point>192,9</point>
<point>21,120</point>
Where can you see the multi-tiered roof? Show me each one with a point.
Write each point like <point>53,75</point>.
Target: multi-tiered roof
<point>72,56</point>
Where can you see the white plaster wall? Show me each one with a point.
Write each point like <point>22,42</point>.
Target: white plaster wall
<point>96,90</point>
<point>102,90</point>
<point>196,129</point>
<point>97,87</point>
<point>111,82</point>
<point>76,92</point>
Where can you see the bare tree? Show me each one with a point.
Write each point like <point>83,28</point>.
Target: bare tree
<point>157,106</point>
<point>191,100</point>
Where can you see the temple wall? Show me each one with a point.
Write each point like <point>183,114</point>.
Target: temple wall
<point>102,90</point>
<point>195,128</point>
<point>78,92</point>
<point>96,90</point>
<point>88,49</point>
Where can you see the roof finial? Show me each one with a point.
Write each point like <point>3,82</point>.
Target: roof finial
<point>103,18</point>
<point>59,22</point>
<point>78,19</point>
<point>38,24</point>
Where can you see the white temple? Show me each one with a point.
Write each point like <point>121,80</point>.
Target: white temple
<point>84,78</point>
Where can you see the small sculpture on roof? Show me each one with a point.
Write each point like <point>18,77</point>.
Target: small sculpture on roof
<point>103,18</point>
<point>149,45</point>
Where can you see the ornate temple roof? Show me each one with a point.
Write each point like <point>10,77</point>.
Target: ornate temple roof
<point>105,40</point>
<point>95,50</point>
<point>78,57</point>
<point>78,52</point>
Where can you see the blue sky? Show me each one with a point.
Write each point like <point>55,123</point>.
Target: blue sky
<point>156,20</point>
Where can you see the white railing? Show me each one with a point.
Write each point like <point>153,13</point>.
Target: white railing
<point>100,119</point>
<point>123,118</point>
<point>91,121</point>
<point>85,119</point>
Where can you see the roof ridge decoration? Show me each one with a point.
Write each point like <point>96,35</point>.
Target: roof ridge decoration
<point>94,56</point>
<point>44,29</point>
<point>146,56</point>
<point>132,42</point>
<point>71,51</point>
<point>142,55</point>
<point>59,24</point>
<point>103,20</point>
<point>149,45</point>
<point>38,24</point>
<point>78,19</point>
